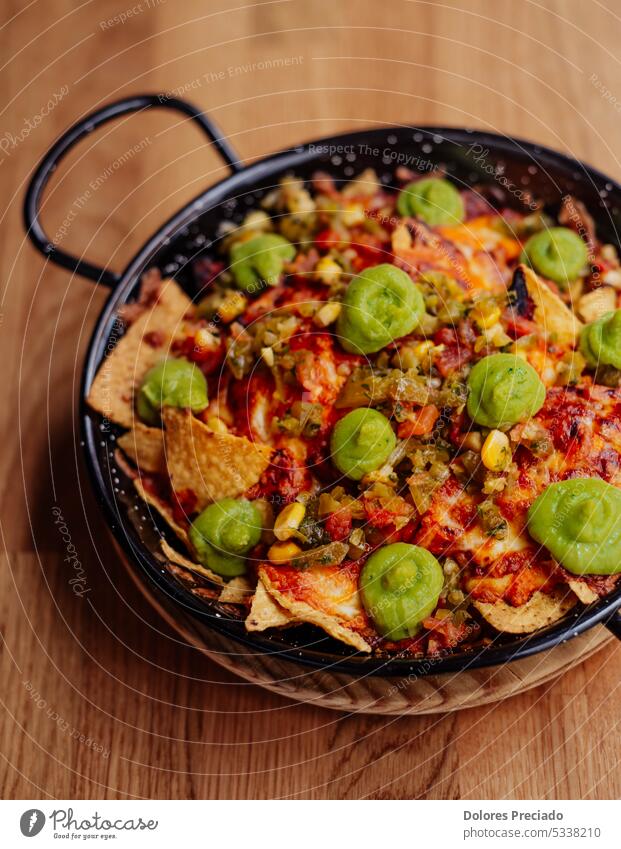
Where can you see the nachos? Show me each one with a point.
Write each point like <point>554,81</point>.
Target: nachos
<point>391,414</point>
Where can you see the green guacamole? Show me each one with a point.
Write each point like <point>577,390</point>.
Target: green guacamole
<point>600,341</point>
<point>557,253</point>
<point>400,585</point>
<point>380,305</point>
<point>434,201</point>
<point>224,532</point>
<point>361,442</point>
<point>579,522</point>
<point>171,383</point>
<point>259,262</point>
<point>503,390</point>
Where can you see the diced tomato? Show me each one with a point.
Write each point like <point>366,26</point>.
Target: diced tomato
<point>209,358</point>
<point>456,429</point>
<point>370,250</point>
<point>338,524</point>
<point>422,422</point>
<point>456,351</point>
<point>518,325</point>
<point>328,239</point>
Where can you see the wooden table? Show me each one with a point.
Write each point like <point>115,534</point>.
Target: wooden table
<point>100,699</point>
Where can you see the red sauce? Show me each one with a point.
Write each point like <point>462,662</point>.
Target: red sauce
<point>457,350</point>
<point>155,339</point>
<point>338,524</point>
<point>283,479</point>
<point>183,505</point>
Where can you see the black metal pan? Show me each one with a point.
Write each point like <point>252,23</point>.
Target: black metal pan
<point>470,157</point>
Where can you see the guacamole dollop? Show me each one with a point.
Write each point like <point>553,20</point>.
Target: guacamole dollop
<point>259,262</point>
<point>600,341</point>
<point>503,390</point>
<point>400,585</point>
<point>434,200</point>
<point>171,383</point>
<point>361,442</point>
<point>224,532</point>
<point>579,522</point>
<point>557,253</point>
<point>380,305</point>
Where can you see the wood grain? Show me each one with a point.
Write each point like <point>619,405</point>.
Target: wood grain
<point>156,718</point>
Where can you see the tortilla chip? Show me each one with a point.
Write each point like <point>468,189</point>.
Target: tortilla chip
<point>542,609</point>
<point>551,313</point>
<point>584,592</point>
<point>237,591</point>
<point>597,303</point>
<point>145,447</point>
<point>164,510</point>
<point>301,611</point>
<point>174,556</point>
<point>266,613</point>
<point>112,391</point>
<point>212,465</point>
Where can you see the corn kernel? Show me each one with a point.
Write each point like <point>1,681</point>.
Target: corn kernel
<point>289,520</point>
<point>498,337</point>
<point>232,306</point>
<point>216,424</point>
<point>204,339</point>
<point>283,552</point>
<point>423,348</point>
<point>353,214</point>
<point>327,314</point>
<point>486,316</point>
<point>267,355</point>
<point>327,270</point>
<point>496,451</point>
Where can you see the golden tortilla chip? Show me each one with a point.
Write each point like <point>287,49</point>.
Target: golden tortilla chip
<point>584,592</point>
<point>237,591</point>
<point>146,342</point>
<point>145,447</point>
<point>164,510</point>
<point>173,555</point>
<point>266,613</point>
<point>540,610</point>
<point>303,612</point>
<point>551,313</point>
<point>212,465</point>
